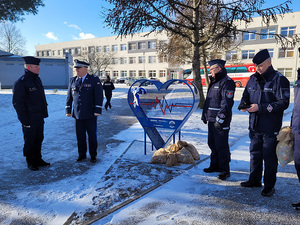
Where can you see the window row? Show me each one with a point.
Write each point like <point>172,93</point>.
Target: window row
<point>135,73</point>
<point>139,59</point>
<point>249,54</point>
<point>269,33</point>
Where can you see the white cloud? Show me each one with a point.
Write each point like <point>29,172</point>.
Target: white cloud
<point>72,25</point>
<point>84,36</point>
<point>51,35</point>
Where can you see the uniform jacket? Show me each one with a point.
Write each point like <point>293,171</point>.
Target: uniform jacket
<point>29,98</point>
<point>296,110</point>
<point>86,99</point>
<point>108,88</point>
<point>219,100</point>
<point>271,91</point>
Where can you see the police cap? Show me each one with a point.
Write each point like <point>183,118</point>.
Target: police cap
<point>79,64</point>
<point>217,61</point>
<point>31,60</point>
<point>261,56</point>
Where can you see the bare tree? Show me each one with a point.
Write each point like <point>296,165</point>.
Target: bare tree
<point>14,10</point>
<point>11,39</point>
<point>197,21</point>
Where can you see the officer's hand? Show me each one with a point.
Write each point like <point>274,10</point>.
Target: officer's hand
<point>218,125</point>
<point>97,114</point>
<point>253,108</point>
<point>68,115</point>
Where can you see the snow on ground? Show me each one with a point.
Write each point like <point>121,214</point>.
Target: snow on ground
<point>51,195</point>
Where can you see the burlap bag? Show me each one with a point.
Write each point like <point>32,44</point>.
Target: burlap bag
<point>173,148</point>
<point>172,160</point>
<point>184,156</point>
<point>284,148</point>
<point>192,149</point>
<point>160,156</point>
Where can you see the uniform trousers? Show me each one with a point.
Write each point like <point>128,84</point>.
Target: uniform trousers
<point>83,127</point>
<point>297,154</point>
<point>218,143</point>
<point>33,138</point>
<point>263,149</point>
<point>107,104</point>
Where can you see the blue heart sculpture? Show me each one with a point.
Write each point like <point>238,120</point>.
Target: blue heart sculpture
<point>162,109</point>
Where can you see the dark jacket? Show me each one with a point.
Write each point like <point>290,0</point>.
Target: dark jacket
<point>85,99</point>
<point>219,99</point>
<point>296,110</point>
<point>29,98</point>
<point>271,91</point>
<point>108,87</point>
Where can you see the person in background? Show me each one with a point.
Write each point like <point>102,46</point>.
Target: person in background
<point>265,97</point>
<point>108,87</point>
<point>295,124</point>
<point>30,104</point>
<point>217,112</point>
<point>85,97</point>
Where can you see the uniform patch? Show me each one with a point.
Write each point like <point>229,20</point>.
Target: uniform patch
<point>222,116</point>
<point>87,85</point>
<point>286,93</point>
<point>269,108</point>
<point>229,94</point>
<point>98,83</point>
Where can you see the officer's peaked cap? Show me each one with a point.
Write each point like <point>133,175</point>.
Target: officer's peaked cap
<point>216,61</point>
<point>31,60</point>
<point>261,56</point>
<point>79,64</point>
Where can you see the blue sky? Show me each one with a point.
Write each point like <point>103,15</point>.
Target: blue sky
<point>67,20</point>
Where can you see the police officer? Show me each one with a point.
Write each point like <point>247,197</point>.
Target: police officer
<point>296,130</point>
<point>265,97</point>
<point>217,112</point>
<point>30,104</point>
<point>108,87</point>
<point>85,96</point>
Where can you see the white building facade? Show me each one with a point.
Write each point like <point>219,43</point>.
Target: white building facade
<point>136,56</point>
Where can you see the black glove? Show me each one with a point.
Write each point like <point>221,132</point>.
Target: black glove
<point>243,105</point>
<point>218,126</point>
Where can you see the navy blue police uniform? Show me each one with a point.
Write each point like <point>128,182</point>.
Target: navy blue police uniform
<point>217,112</point>
<point>108,87</point>
<point>84,99</point>
<point>270,91</point>
<point>295,123</point>
<point>30,104</point>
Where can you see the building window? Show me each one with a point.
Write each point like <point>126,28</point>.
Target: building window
<point>114,61</point>
<point>248,54</point>
<point>142,73</point>
<point>132,60</point>
<point>268,33</point>
<point>123,47</point>
<point>132,46</point>
<point>53,53</point>
<point>152,44</point>
<point>152,59</point>
<point>115,73</point>
<point>162,59</point>
<point>123,60</point>
<point>286,53</point>
<point>152,73</point>
<point>123,73</point>
<point>114,48</point>
<point>92,49</point>
<point>231,55</point>
<point>77,51</point>
<point>249,36</point>
<point>141,45</point>
<point>162,73</point>
<point>107,73</point>
<point>98,49</point>
<point>142,59</point>
<point>288,72</point>
<point>132,73</point>
<point>106,48</point>
<point>58,52</point>
<point>37,53</point>
<point>288,31</point>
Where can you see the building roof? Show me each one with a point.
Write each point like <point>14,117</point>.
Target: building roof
<point>3,53</point>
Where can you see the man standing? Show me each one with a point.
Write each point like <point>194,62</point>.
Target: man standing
<point>30,104</point>
<point>217,112</point>
<point>86,94</point>
<point>296,129</point>
<point>265,97</point>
